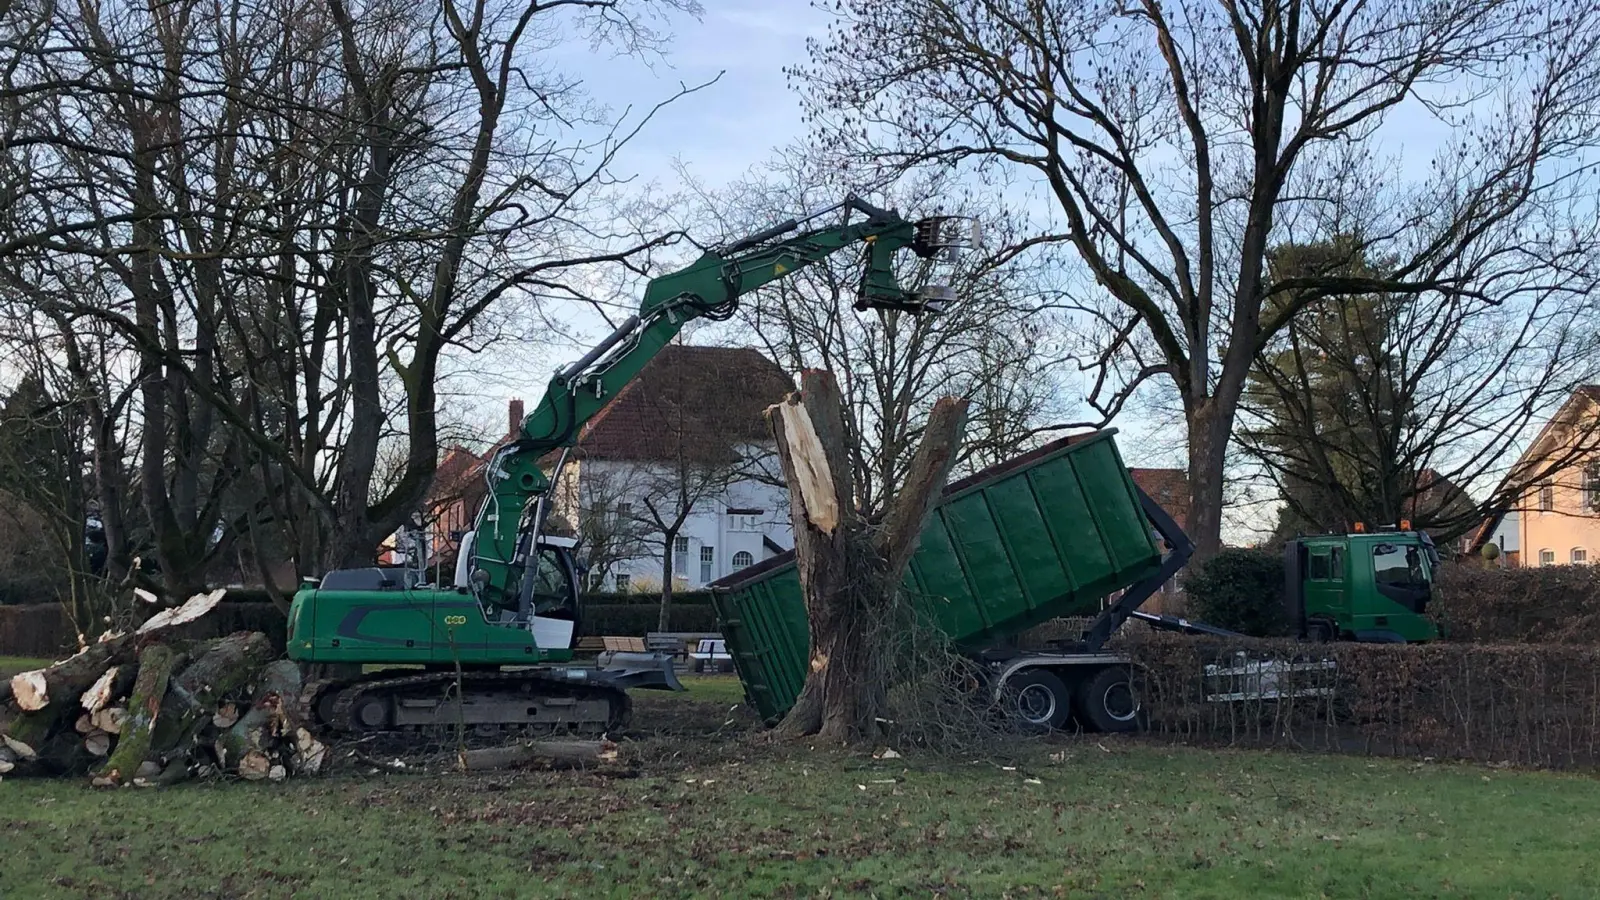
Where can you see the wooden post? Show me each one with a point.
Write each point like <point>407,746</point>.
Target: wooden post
<point>849,571</point>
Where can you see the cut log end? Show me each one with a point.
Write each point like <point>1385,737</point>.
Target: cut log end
<point>254,766</point>
<point>23,751</point>
<point>110,720</point>
<point>98,743</point>
<point>84,725</point>
<point>30,691</point>
<point>225,716</point>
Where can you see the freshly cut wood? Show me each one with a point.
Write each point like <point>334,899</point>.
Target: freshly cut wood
<point>310,754</point>
<point>84,725</point>
<point>277,773</point>
<point>98,743</point>
<point>110,719</point>
<point>192,609</point>
<point>8,760</point>
<point>255,765</point>
<point>225,716</point>
<point>30,691</point>
<point>65,681</point>
<point>813,477</point>
<point>563,754</point>
<point>146,596</point>
<point>22,750</point>
<point>144,707</point>
<point>101,692</point>
<point>268,716</point>
<point>229,664</point>
<point>148,769</point>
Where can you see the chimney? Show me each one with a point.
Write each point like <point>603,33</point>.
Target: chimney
<point>516,418</point>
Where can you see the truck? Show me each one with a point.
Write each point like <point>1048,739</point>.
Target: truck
<point>492,649</point>
<point>1053,534</point>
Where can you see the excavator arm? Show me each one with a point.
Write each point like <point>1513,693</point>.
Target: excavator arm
<point>501,563</point>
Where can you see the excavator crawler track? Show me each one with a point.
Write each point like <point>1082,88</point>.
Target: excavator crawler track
<point>441,704</point>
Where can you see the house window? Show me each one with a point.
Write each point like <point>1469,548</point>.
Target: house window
<point>597,581</point>
<point>1547,557</point>
<point>624,510</point>
<point>743,558</point>
<point>680,554</point>
<point>1591,486</point>
<point>622,584</point>
<point>1580,556</point>
<point>708,557</point>
<point>1547,498</point>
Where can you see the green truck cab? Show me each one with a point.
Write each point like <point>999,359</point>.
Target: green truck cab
<point>1372,587</point>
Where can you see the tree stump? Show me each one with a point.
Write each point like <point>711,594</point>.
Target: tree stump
<point>850,569</point>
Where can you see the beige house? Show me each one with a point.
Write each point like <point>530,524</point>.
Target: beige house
<point>1557,519</point>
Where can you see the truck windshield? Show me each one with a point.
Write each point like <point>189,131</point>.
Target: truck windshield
<point>1396,564</point>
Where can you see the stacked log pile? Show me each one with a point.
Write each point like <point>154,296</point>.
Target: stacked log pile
<point>149,708</point>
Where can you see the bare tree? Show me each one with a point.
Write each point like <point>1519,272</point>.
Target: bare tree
<point>1178,142</point>
<point>1374,408</point>
<point>287,214</point>
<point>991,345</point>
<point>608,529</point>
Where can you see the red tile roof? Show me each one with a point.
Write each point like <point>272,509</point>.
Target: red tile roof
<point>688,402</point>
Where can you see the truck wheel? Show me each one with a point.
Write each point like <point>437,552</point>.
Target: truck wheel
<point>1320,631</point>
<point>1106,701</point>
<point>1039,699</point>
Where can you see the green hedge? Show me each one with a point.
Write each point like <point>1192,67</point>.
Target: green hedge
<point>1240,589</point>
<point>44,631</point>
<point>638,620</point>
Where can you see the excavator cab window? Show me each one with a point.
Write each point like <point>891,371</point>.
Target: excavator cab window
<point>552,586</point>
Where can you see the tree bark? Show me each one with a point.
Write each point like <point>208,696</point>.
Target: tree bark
<point>192,697</point>
<point>849,571</point>
<point>144,707</point>
<point>249,736</point>
<point>1209,431</point>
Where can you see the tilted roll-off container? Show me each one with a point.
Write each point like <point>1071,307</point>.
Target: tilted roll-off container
<point>1052,533</point>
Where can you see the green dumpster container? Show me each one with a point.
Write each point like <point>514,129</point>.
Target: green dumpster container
<point>1044,535</point>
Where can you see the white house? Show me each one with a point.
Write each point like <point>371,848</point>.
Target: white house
<point>685,439</point>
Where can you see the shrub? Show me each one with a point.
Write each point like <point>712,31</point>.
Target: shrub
<point>44,631</point>
<point>1241,590</point>
<point>1523,704</point>
<point>638,620</point>
<point>1549,604</point>
<point>646,598</point>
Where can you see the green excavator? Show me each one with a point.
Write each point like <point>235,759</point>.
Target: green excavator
<point>494,646</point>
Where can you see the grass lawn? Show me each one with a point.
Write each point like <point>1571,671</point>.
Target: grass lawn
<point>11,665</point>
<point>724,813</point>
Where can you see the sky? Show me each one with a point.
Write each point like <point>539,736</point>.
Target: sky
<point>738,122</point>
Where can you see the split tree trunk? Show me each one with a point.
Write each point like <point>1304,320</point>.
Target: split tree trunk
<point>155,672</point>
<point>228,665</point>
<point>850,570</point>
